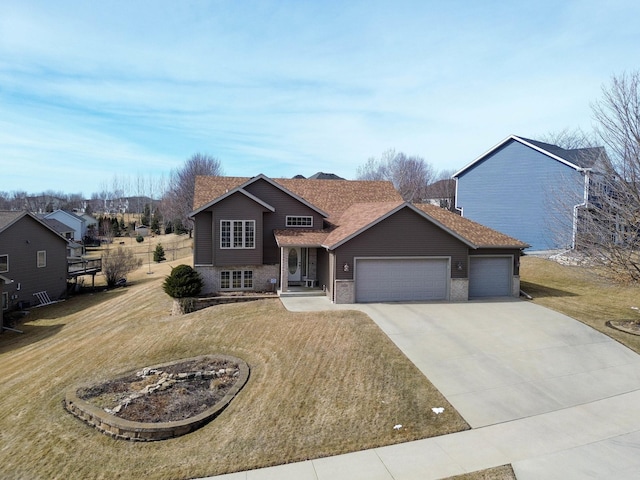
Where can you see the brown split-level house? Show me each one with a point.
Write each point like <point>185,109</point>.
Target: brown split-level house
<point>357,241</point>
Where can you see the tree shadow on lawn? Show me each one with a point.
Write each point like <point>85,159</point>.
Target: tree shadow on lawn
<point>31,334</point>
<point>541,291</point>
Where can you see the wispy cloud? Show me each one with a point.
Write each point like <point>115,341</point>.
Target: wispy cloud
<point>89,90</point>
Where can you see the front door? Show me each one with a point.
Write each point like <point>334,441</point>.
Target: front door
<point>295,264</point>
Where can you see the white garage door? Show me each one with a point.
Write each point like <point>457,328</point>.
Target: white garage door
<point>401,280</point>
<point>489,276</point>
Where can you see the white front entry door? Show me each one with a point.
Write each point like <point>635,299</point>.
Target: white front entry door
<point>294,264</point>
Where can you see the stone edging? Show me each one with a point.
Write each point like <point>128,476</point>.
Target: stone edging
<point>144,432</point>
<point>620,328</point>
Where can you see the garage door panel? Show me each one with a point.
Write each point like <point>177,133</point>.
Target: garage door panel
<point>490,277</point>
<point>394,280</point>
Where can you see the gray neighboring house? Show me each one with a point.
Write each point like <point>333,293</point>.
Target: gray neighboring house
<point>33,259</point>
<point>357,241</point>
<point>74,249</point>
<point>78,223</point>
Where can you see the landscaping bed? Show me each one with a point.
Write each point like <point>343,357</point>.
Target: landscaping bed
<point>162,401</point>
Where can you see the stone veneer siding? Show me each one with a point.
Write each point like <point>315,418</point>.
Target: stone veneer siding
<point>262,275</point>
<point>459,291</point>
<point>515,286</point>
<point>345,291</point>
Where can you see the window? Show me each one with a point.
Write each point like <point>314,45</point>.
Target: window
<point>224,280</point>
<point>5,300</point>
<point>299,221</point>
<point>42,258</point>
<point>236,279</point>
<point>237,234</point>
<point>4,263</point>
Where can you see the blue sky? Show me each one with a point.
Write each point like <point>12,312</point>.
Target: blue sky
<point>93,90</point>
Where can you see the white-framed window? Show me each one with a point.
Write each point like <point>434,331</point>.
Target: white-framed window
<point>236,279</point>
<point>237,233</point>
<point>42,258</point>
<point>5,301</point>
<point>4,263</point>
<point>299,221</point>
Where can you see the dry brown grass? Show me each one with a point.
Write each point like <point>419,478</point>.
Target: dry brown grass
<point>320,384</point>
<point>505,472</point>
<point>175,247</point>
<point>581,293</point>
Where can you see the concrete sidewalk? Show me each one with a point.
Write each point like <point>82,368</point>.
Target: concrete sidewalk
<point>543,392</point>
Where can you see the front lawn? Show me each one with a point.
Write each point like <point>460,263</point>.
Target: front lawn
<point>320,384</point>
<point>581,293</point>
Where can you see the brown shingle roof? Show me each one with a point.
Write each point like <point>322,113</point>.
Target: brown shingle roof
<point>300,237</point>
<point>330,196</point>
<point>358,217</point>
<point>473,232</point>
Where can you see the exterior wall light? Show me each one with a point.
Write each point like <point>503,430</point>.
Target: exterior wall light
<point>459,266</point>
<point>346,267</point>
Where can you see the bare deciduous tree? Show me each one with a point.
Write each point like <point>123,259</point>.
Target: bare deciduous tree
<point>409,174</point>
<point>569,139</point>
<point>118,263</point>
<point>609,229</point>
<point>178,200</point>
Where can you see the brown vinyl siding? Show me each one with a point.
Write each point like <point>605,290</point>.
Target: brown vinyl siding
<point>22,241</point>
<point>403,234</point>
<point>322,272</point>
<point>203,238</point>
<point>238,207</point>
<point>285,205</point>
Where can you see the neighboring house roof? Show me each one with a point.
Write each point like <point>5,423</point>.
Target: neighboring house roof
<point>578,159</point>
<point>362,216</point>
<point>440,189</point>
<point>325,176</point>
<point>57,225</point>
<point>330,197</point>
<point>9,218</point>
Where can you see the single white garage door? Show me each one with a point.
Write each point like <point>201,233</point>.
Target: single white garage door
<point>401,280</point>
<point>489,276</point>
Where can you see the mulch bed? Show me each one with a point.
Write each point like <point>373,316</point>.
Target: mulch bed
<point>171,393</point>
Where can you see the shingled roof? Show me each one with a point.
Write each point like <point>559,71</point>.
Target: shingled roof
<point>361,216</point>
<point>330,196</point>
<point>475,234</point>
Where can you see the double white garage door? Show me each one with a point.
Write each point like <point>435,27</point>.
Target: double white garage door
<point>427,279</point>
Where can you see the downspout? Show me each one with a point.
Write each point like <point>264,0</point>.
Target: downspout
<point>585,203</point>
<point>455,203</point>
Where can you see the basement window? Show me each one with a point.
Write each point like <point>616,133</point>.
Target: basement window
<point>236,280</point>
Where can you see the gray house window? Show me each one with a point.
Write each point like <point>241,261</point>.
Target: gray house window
<point>42,258</point>
<point>4,263</point>
<point>237,233</point>
<point>236,279</point>
<point>5,300</point>
<point>299,221</point>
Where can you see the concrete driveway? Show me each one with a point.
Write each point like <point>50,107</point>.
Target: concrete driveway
<point>503,360</point>
<point>543,392</point>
